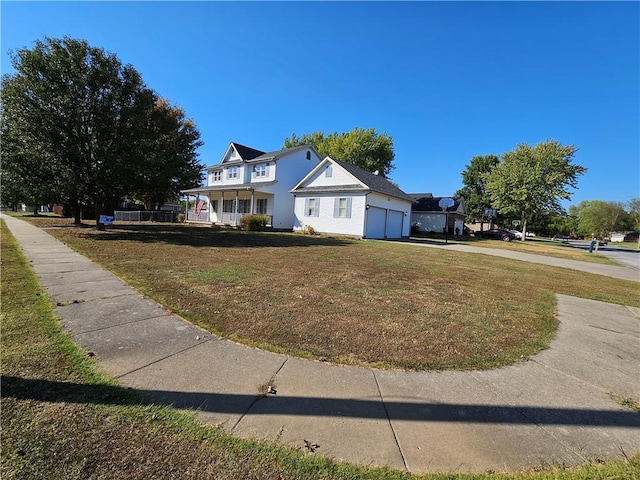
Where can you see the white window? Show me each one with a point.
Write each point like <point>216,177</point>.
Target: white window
<point>260,170</point>
<point>311,207</point>
<point>261,205</point>
<point>217,175</point>
<point>232,172</point>
<point>342,207</point>
<point>329,171</point>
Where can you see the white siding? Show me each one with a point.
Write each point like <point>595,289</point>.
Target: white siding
<point>338,177</point>
<point>239,180</point>
<point>386,217</point>
<point>270,172</point>
<point>325,222</point>
<point>288,170</point>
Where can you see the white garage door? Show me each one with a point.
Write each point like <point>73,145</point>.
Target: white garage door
<point>394,228</point>
<point>376,222</point>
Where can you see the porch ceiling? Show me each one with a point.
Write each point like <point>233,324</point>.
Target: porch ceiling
<point>227,188</point>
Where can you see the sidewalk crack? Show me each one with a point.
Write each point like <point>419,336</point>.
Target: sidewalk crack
<point>393,431</point>
<point>258,397</point>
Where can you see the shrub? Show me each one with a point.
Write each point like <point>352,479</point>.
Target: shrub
<point>181,218</point>
<point>255,223</point>
<point>309,230</point>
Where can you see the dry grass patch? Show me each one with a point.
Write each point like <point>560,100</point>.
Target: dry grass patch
<point>372,303</point>
<point>549,249</point>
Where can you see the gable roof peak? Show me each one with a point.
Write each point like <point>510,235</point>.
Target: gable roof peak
<point>377,183</point>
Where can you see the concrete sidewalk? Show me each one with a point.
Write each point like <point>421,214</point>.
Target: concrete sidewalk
<point>555,408</point>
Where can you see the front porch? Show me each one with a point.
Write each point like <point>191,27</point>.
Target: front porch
<point>227,207</point>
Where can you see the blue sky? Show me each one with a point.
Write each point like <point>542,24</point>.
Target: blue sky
<point>446,80</point>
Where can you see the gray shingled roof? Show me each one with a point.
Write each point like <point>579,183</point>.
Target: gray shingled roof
<point>277,153</point>
<point>430,204</point>
<point>375,182</point>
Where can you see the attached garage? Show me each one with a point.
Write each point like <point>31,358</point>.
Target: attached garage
<point>376,222</point>
<point>394,224</point>
<point>341,198</point>
<point>384,223</point>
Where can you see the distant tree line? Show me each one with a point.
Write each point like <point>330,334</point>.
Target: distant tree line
<point>527,185</point>
<point>81,129</point>
<point>524,184</point>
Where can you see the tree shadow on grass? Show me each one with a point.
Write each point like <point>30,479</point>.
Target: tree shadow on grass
<point>208,237</point>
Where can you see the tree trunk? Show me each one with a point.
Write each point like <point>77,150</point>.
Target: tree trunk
<point>77,213</point>
<point>99,207</point>
<point>524,229</point>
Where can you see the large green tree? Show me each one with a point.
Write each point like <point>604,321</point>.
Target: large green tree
<point>474,191</point>
<point>530,181</point>
<point>171,162</point>
<point>364,148</point>
<point>80,128</point>
<point>600,218</point>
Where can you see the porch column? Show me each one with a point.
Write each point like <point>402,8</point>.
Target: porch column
<point>236,208</point>
<point>221,219</point>
<point>253,209</point>
<point>209,198</point>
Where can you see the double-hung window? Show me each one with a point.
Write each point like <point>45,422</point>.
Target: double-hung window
<point>260,170</point>
<point>232,172</point>
<point>217,175</point>
<point>261,205</point>
<point>311,207</point>
<point>342,207</point>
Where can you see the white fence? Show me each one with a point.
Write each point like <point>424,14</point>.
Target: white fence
<point>145,216</point>
<point>203,216</point>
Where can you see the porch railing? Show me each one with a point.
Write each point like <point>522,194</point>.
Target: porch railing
<point>230,218</point>
<point>203,216</point>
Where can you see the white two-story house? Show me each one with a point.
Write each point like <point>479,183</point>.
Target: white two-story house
<point>250,181</point>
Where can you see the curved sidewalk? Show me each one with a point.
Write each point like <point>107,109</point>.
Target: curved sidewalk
<point>554,408</point>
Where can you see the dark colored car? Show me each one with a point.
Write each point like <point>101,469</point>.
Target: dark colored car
<point>496,234</point>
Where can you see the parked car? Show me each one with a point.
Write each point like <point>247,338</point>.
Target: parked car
<point>496,234</point>
<point>517,234</point>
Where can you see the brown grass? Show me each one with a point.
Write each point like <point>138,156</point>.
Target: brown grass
<point>347,301</point>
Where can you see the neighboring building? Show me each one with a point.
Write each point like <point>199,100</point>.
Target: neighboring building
<point>624,237</point>
<point>340,198</point>
<point>249,181</point>
<point>428,216</point>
